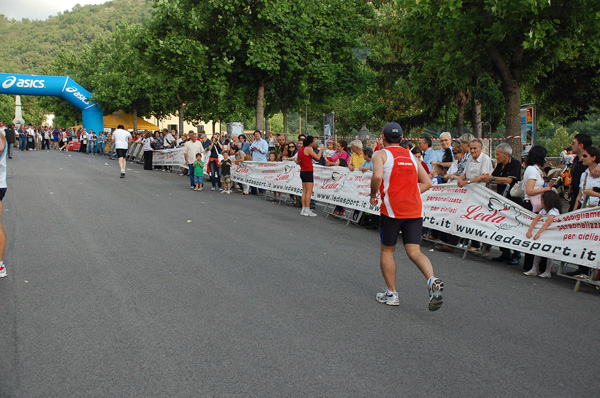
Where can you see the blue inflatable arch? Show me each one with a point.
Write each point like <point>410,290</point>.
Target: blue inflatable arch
<point>55,86</point>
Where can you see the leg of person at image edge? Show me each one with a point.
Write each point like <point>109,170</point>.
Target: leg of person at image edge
<point>2,245</point>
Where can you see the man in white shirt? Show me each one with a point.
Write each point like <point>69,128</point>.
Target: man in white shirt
<point>476,171</point>
<point>122,139</point>
<point>191,149</point>
<point>477,166</point>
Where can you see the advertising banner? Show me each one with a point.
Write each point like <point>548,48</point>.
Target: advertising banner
<point>169,157</point>
<point>472,212</point>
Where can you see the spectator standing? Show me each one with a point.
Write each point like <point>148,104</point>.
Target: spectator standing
<point>429,155</point>
<point>306,154</point>
<point>458,154</point>
<point>341,152</point>
<point>245,145</point>
<point>83,139</point>
<point>237,157</point>
<point>92,142</point>
<point>258,149</point>
<point>590,157</point>
<point>10,139</point>
<point>198,173</point>
<point>190,150</point>
<point>418,154</point>
<point>101,143</point>
<point>579,144</point>
<point>215,149</point>
<point>476,169</point>
<point>506,174</point>
<point>368,163</point>
<point>357,158</point>
<point>550,208</point>
<point>148,151</point>
<point>122,139</point>
<point>226,173</point>
<point>23,138</point>
<point>400,185</point>
<point>445,153</point>
<point>464,142</point>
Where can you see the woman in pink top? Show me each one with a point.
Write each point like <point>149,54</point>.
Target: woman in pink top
<point>341,152</point>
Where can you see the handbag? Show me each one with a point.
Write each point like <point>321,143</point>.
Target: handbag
<point>518,191</point>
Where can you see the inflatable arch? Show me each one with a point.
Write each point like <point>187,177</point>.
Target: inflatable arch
<point>55,86</point>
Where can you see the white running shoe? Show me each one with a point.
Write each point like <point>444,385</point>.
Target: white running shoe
<point>389,299</point>
<point>435,287</point>
<point>310,213</point>
<point>3,271</point>
<point>545,275</point>
<point>531,272</point>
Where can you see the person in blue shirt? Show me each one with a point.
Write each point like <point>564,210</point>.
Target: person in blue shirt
<point>101,143</point>
<point>259,149</point>
<point>368,164</point>
<point>429,155</point>
<point>445,153</point>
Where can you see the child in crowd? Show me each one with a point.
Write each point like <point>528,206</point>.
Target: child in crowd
<point>226,173</point>
<point>272,157</point>
<point>437,174</point>
<point>198,172</point>
<point>550,208</point>
<point>330,151</point>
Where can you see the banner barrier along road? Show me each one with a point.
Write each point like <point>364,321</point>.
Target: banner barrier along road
<point>472,212</point>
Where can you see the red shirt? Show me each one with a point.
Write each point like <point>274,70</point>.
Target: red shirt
<point>400,193</point>
<point>305,160</point>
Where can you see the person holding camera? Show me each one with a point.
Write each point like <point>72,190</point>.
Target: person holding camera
<point>214,168</point>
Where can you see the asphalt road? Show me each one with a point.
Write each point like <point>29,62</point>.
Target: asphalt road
<point>140,287</point>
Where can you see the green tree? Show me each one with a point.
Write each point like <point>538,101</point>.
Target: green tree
<point>240,47</point>
<point>560,140</point>
<point>513,41</point>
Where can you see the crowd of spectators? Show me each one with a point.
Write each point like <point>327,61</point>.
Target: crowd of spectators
<point>462,160</point>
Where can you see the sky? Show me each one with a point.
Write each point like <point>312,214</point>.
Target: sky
<point>39,9</point>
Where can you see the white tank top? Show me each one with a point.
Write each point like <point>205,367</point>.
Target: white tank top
<point>3,167</point>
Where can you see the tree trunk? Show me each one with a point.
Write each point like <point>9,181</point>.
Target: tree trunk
<point>462,99</point>
<point>181,112</point>
<point>509,78</point>
<point>135,126</point>
<point>512,107</point>
<point>476,118</point>
<point>260,106</point>
<point>285,122</point>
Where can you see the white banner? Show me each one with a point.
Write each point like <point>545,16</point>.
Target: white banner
<point>169,157</point>
<point>470,212</point>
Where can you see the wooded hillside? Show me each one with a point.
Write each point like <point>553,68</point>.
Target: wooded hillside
<point>30,46</point>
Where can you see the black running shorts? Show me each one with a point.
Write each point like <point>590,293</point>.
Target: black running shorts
<point>121,153</point>
<point>411,228</point>
<point>307,176</point>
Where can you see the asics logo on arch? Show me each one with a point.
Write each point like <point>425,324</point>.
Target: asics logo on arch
<point>22,83</point>
<point>70,89</point>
